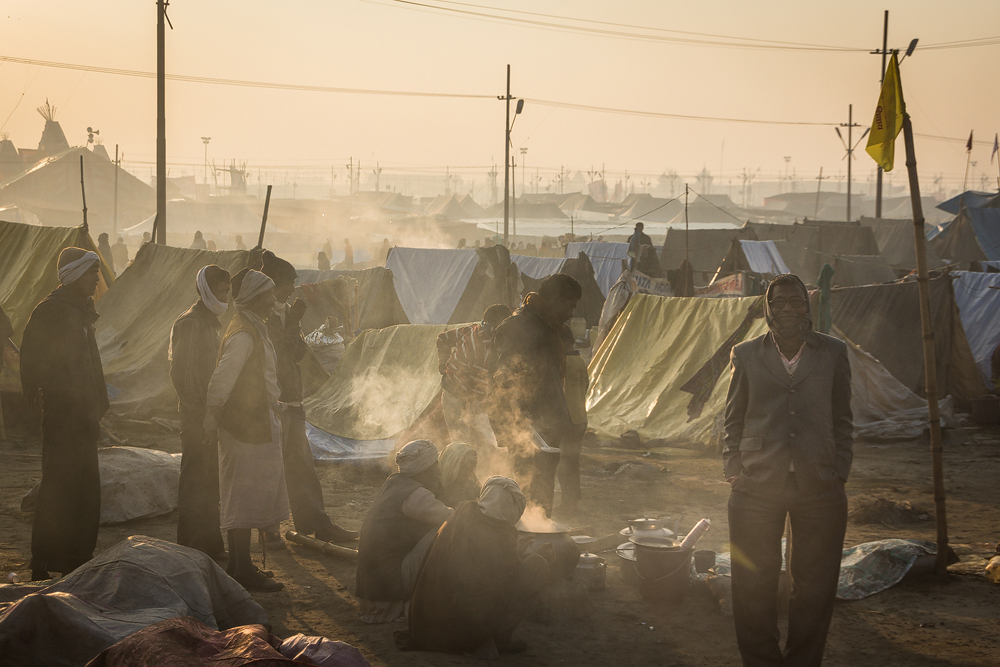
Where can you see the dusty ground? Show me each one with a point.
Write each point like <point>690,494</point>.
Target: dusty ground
<point>961,618</point>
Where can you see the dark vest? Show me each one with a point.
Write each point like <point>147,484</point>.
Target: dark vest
<point>247,413</point>
<point>387,536</point>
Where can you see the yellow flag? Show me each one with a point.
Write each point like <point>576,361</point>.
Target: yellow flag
<point>888,119</point>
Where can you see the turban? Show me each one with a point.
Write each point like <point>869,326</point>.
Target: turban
<point>249,284</point>
<point>454,459</point>
<point>74,262</point>
<point>207,296</point>
<point>416,457</point>
<point>277,269</point>
<point>501,498</point>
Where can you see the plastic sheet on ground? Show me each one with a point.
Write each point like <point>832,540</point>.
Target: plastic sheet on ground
<point>385,380</point>
<point>978,299</point>
<point>322,652</point>
<point>328,447</point>
<point>865,569</point>
<point>430,282</point>
<point>136,583</point>
<point>136,483</point>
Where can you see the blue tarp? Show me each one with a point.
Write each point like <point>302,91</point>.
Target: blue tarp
<point>986,225</point>
<point>763,257</point>
<point>978,298</point>
<point>973,199</point>
<point>606,259</point>
<point>538,267</point>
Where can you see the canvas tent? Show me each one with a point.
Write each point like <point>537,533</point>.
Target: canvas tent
<point>760,257</point>
<point>896,243</point>
<point>363,299</point>
<point>706,249</point>
<point>978,299</point>
<point>137,314</point>
<point>827,238</point>
<point>664,372</point>
<point>894,335</point>
<point>606,258</point>
<point>534,269</point>
<point>28,255</point>
<point>850,270</point>
<point>973,236</point>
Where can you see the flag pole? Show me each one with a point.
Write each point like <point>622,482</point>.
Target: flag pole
<point>930,360</point>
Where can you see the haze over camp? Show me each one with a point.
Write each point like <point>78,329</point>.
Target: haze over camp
<point>394,333</point>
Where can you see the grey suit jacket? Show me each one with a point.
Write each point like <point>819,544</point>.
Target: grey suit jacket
<point>772,422</point>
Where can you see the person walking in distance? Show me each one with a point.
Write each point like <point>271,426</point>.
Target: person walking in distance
<point>788,452</point>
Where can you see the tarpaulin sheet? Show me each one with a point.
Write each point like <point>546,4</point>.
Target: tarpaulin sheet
<point>133,332</point>
<point>655,347</point>
<point>606,259</point>
<point>137,582</point>
<point>28,255</point>
<point>978,299</point>
<point>538,267</point>
<point>763,257</point>
<point>385,380</point>
<point>430,282</point>
<point>334,448</point>
<point>852,270</point>
<point>896,244</point>
<point>969,199</point>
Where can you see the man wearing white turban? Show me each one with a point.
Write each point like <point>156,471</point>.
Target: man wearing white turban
<point>243,408</point>
<point>397,532</point>
<point>193,352</point>
<point>61,372</point>
<point>474,588</point>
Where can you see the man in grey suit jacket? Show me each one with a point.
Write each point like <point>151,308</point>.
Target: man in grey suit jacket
<point>788,450</point>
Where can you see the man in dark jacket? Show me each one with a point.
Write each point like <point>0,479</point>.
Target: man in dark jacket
<point>305,495</point>
<point>61,371</point>
<point>527,401</point>
<point>397,533</point>
<point>193,352</point>
<point>788,452</point>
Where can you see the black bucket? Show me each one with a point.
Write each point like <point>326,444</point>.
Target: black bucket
<point>664,570</point>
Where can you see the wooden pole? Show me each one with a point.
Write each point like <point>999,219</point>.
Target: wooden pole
<point>819,185</point>
<point>83,191</point>
<point>320,545</point>
<point>263,222</point>
<point>930,356</point>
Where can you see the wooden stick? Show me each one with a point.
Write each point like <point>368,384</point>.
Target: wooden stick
<point>263,222</point>
<point>320,545</point>
<point>83,190</point>
<point>930,355</point>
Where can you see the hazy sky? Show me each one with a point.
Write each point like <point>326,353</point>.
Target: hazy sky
<point>380,44</point>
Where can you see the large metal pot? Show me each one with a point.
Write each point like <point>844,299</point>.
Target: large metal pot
<point>567,552</point>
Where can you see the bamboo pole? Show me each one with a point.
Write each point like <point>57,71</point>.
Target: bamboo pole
<point>320,545</point>
<point>930,360</point>
<point>263,222</point>
<point>83,191</point>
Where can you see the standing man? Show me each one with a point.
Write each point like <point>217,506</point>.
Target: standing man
<point>199,242</point>
<point>348,255</point>
<point>240,245</point>
<point>61,372</point>
<point>305,495</point>
<point>119,253</point>
<point>462,362</point>
<point>788,451</point>
<point>636,241</point>
<point>527,401</point>
<point>104,247</point>
<point>194,349</point>
<point>244,418</point>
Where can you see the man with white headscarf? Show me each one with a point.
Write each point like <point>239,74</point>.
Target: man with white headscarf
<point>61,372</point>
<point>474,588</point>
<point>397,532</point>
<point>193,352</point>
<point>243,408</point>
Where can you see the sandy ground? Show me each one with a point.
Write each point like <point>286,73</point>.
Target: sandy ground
<point>918,622</point>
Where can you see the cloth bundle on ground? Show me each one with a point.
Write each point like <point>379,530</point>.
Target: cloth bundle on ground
<point>135,484</point>
<point>185,642</point>
<point>138,582</point>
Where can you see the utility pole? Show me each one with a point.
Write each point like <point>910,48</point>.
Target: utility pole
<point>524,160</point>
<point>205,141</point>
<point>819,184</point>
<point>513,199</point>
<point>506,164</point>
<point>161,123</point>
<point>883,52</point>
<point>114,220</point>
<point>849,147</point>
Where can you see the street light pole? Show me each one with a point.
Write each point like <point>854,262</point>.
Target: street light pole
<point>205,141</point>
<point>878,181</point>
<point>506,166</point>
<point>161,124</point>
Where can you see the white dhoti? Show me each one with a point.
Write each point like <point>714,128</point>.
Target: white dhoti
<point>252,481</point>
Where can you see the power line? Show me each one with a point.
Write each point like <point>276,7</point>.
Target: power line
<point>660,114</point>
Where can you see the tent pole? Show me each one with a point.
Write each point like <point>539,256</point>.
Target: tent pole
<point>930,360</point>
<point>83,191</point>
<point>263,221</point>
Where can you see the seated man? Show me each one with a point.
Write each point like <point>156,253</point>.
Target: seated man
<point>458,474</point>
<point>397,532</point>
<point>474,588</point>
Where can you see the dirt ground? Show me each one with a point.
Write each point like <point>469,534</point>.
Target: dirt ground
<point>918,622</point>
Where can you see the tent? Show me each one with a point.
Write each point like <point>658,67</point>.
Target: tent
<point>706,249</point>
<point>384,382</point>
<point>895,242</point>
<point>973,236</point>
<point>606,258</point>
<point>712,209</point>
<point>664,372</point>
<point>441,286</point>
<point>852,270</point>
<point>970,199</point>
<point>885,321</point>
<point>28,255</point>
<point>978,299</point>
<point>136,316</point>
<point>647,208</point>
<point>50,189</point>
<point>363,299</point>
<point>826,238</point>
<point>761,257</point>
<point>534,269</point>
